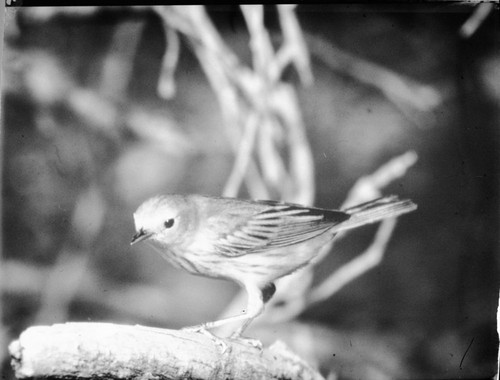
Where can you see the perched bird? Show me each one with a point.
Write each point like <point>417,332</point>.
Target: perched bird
<point>253,243</point>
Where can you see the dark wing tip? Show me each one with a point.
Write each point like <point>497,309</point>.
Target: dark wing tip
<point>335,217</point>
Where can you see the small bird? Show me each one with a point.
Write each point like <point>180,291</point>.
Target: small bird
<point>253,243</point>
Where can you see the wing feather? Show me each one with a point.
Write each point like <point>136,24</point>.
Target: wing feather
<point>277,225</point>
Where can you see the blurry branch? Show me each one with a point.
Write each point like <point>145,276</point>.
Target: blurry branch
<point>405,93</point>
<point>475,20</point>
<point>301,186</point>
<point>355,268</point>
<point>260,111</point>
<point>158,128</point>
<point>243,158</point>
<point>45,14</point>
<point>166,82</point>
<point>119,59</point>
<point>369,187</point>
<point>95,350</point>
<point>288,303</point>
<point>294,48</point>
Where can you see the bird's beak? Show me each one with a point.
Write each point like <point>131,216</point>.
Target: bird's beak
<point>139,236</point>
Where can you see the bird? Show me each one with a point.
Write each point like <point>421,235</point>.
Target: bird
<point>250,242</point>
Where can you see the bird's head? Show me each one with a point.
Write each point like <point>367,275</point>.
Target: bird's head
<point>161,219</point>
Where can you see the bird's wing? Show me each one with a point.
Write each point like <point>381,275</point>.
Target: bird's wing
<point>277,225</point>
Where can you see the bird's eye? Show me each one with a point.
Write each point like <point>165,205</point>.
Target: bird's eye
<point>168,223</point>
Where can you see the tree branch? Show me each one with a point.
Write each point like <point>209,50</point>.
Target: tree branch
<point>106,350</point>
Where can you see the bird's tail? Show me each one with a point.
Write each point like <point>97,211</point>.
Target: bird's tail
<point>376,210</point>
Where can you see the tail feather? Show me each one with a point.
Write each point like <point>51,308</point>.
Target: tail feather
<point>376,210</point>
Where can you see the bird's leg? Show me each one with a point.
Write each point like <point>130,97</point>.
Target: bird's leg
<point>204,327</point>
<point>264,295</point>
<point>255,305</point>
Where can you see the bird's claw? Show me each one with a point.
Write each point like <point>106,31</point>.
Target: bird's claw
<point>201,329</point>
<point>251,342</point>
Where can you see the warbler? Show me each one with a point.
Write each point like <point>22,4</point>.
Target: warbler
<point>253,243</point>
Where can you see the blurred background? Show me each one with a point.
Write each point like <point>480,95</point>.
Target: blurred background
<point>95,122</point>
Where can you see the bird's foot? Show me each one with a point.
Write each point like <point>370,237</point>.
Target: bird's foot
<point>202,329</point>
<point>249,341</point>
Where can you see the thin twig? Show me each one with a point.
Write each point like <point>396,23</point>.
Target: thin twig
<point>245,94</point>
<point>294,47</point>
<point>273,166</point>
<point>481,12</point>
<point>301,161</point>
<point>243,158</point>
<point>400,90</point>
<point>166,82</point>
<point>260,43</point>
<point>369,187</point>
<point>355,268</point>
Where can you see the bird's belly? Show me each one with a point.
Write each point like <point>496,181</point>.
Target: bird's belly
<point>260,267</point>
